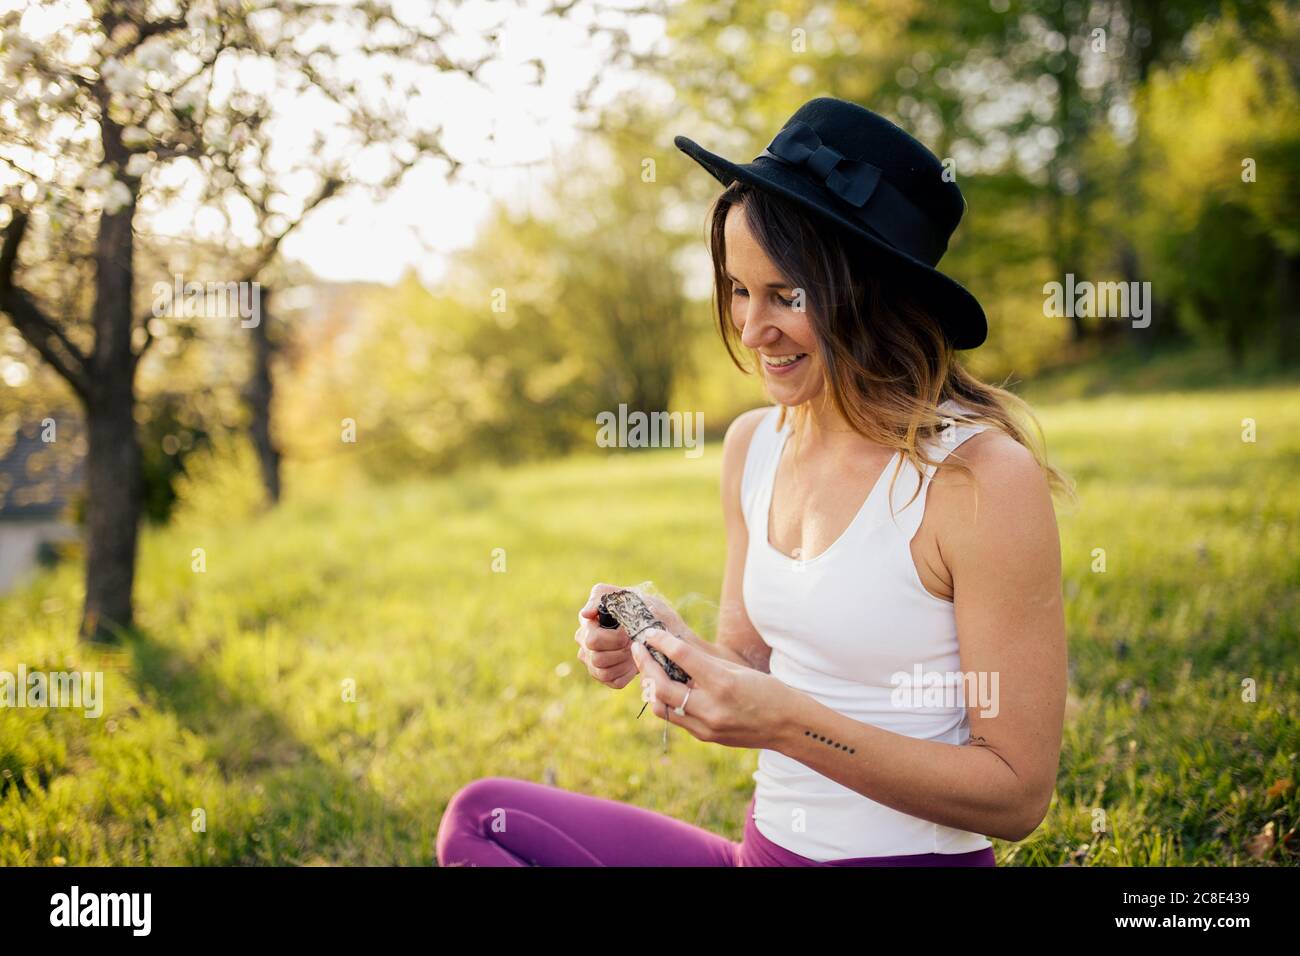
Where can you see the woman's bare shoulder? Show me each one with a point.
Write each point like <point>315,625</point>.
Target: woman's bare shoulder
<point>742,426</point>
<point>735,445</point>
<point>1009,485</point>
<point>994,456</point>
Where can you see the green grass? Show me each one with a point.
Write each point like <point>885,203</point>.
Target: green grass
<point>229,699</point>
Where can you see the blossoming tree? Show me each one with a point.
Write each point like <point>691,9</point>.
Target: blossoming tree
<point>112,113</point>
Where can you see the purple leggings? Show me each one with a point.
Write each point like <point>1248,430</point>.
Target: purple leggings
<point>503,821</point>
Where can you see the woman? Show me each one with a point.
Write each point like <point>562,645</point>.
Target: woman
<point>891,636</point>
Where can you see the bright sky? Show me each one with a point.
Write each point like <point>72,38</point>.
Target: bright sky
<point>354,237</point>
<point>359,239</point>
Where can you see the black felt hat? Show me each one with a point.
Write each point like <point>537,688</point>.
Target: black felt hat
<point>853,167</point>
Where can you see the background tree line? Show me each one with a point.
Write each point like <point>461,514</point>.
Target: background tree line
<point>1132,140</point>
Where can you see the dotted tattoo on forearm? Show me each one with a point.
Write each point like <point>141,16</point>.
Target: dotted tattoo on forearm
<point>828,742</point>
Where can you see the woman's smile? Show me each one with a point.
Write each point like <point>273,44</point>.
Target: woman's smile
<point>784,364</point>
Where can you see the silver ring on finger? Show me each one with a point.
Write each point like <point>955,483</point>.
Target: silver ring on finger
<point>680,709</point>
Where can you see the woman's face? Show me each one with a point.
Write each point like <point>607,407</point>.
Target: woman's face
<point>769,318</point>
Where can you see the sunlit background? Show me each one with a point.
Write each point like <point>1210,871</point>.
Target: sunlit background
<point>474,235</point>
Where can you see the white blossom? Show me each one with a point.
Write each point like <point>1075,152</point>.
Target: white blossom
<point>134,136</point>
<point>157,123</point>
<point>117,196</point>
<point>19,56</point>
<point>155,56</point>
<point>124,104</point>
<point>124,33</point>
<point>216,139</point>
<point>122,78</point>
<point>200,19</point>
<point>191,97</point>
<point>99,177</point>
<point>138,165</point>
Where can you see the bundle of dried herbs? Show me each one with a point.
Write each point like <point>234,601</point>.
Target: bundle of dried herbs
<point>627,609</point>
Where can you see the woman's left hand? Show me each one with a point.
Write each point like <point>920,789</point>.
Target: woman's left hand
<point>729,704</point>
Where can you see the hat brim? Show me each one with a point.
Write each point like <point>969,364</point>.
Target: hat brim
<point>957,310</point>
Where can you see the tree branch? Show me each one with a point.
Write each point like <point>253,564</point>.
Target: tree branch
<point>153,28</point>
<point>31,322</point>
<point>328,188</point>
<point>149,339</point>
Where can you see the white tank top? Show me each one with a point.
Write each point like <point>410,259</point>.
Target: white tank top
<point>842,624</point>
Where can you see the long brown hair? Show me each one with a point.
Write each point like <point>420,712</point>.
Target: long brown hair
<point>886,364</point>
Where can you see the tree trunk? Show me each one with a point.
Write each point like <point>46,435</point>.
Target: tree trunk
<point>1236,341</point>
<point>1288,308</point>
<point>258,395</point>
<point>115,498</point>
<point>1068,210</point>
<point>1154,16</point>
<point>115,492</point>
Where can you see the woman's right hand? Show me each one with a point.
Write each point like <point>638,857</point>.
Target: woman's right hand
<point>607,652</point>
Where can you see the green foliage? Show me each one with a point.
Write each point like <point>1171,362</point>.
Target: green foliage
<point>1033,105</point>
<point>545,322</point>
<point>1222,277</point>
<point>1220,192</point>
<point>221,482</point>
<point>229,698</point>
<point>169,431</point>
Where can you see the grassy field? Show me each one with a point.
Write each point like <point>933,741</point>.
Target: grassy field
<point>230,700</point>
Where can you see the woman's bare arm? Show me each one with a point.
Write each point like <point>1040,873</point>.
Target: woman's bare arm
<point>1005,564</point>
<point>737,640</point>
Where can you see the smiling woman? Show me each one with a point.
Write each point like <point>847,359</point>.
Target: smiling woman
<point>869,344</point>
<point>889,529</point>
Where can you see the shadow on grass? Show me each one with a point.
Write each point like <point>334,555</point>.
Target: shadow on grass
<point>304,809</point>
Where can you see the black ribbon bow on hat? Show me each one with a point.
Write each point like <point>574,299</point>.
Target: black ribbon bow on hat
<point>893,202</point>
<point>891,216</point>
<point>851,179</point>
